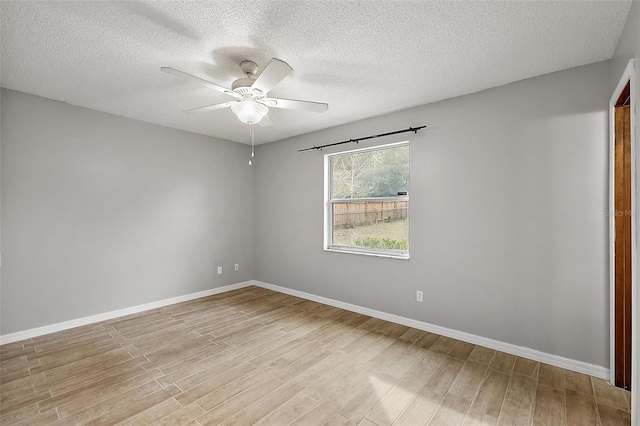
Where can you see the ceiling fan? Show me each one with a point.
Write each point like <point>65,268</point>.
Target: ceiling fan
<point>251,103</point>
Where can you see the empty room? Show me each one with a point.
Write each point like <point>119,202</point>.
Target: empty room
<point>285,212</point>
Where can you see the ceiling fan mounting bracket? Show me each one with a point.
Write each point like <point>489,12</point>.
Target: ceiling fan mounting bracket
<point>249,67</point>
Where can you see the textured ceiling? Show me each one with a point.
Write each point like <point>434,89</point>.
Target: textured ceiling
<point>362,58</point>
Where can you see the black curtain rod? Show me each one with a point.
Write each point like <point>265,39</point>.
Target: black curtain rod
<point>410,129</point>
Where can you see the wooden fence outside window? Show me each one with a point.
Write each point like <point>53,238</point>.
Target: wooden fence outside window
<point>348,214</point>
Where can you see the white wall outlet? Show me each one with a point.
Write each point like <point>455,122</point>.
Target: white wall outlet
<point>419,296</point>
<point>219,270</point>
<point>237,267</point>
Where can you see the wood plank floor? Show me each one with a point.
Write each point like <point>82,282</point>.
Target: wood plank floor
<point>254,356</point>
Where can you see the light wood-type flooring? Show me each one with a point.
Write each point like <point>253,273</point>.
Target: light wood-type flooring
<point>253,356</point>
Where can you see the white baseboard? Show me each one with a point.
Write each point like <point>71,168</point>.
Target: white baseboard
<point>558,361</point>
<point>39,331</point>
<point>555,360</point>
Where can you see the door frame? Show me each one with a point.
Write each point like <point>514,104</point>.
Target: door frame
<point>627,77</point>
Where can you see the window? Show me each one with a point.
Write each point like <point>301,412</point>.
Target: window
<point>367,201</point>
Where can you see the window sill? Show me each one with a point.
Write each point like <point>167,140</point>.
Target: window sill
<point>365,253</point>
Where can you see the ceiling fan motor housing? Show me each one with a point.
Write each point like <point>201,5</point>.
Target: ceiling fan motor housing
<point>242,86</point>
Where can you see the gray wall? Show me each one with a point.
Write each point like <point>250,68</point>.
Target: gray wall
<point>100,212</point>
<point>508,229</point>
<point>629,47</point>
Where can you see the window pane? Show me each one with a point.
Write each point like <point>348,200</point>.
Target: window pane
<point>378,225</point>
<point>366,174</point>
<point>369,200</point>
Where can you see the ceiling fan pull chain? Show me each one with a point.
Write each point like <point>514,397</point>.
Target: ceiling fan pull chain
<point>251,133</point>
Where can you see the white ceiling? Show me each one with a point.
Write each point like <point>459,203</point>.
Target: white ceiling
<point>364,58</point>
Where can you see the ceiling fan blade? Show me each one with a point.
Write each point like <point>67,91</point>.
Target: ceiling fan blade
<point>211,107</point>
<point>199,80</point>
<point>266,121</point>
<point>275,71</point>
<point>299,105</point>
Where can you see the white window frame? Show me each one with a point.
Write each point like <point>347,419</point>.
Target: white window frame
<point>328,208</point>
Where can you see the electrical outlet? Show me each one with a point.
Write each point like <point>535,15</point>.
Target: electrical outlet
<point>237,267</point>
<point>419,296</point>
<point>219,270</point>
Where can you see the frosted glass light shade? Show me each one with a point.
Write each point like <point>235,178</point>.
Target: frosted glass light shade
<point>249,111</point>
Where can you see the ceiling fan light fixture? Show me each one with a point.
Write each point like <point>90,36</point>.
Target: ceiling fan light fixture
<point>249,111</point>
